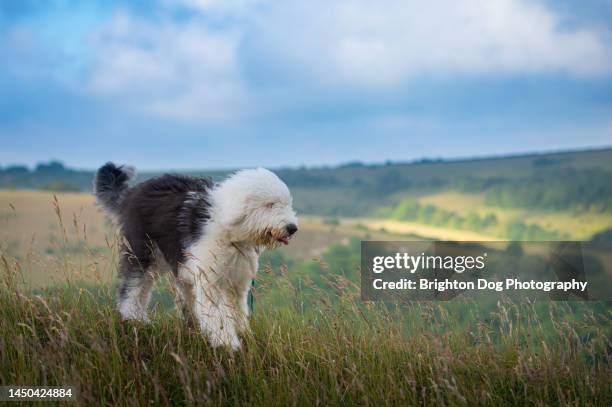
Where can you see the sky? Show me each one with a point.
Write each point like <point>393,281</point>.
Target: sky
<point>197,84</point>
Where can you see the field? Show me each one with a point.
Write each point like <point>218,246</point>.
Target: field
<point>313,342</point>
<point>46,231</point>
<point>344,354</point>
<point>575,225</point>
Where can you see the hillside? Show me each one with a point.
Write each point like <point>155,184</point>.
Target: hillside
<point>313,341</point>
<point>551,189</point>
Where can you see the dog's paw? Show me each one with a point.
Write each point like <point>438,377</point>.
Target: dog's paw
<point>235,344</point>
<point>138,319</point>
<point>224,341</point>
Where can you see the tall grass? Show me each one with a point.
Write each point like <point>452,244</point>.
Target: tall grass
<point>308,346</point>
<point>340,354</point>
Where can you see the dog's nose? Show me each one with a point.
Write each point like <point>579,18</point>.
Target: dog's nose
<point>291,228</point>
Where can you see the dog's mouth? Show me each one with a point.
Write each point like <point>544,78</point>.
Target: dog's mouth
<point>278,238</point>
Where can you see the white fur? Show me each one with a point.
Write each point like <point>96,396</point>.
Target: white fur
<point>134,305</point>
<point>247,209</point>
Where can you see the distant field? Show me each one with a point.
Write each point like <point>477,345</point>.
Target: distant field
<point>43,231</point>
<point>422,231</point>
<point>578,225</point>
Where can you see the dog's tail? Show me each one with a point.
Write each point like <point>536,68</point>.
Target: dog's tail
<point>111,185</point>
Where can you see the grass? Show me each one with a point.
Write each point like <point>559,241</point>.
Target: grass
<point>335,351</point>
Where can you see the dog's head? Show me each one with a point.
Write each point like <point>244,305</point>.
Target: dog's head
<point>256,206</point>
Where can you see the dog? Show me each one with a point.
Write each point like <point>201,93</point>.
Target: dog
<point>210,235</point>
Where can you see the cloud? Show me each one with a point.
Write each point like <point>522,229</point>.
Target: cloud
<point>200,67</point>
<point>390,41</point>
<point>180,70</point>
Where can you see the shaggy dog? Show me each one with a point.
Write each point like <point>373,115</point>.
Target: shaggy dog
<point>211,236</point>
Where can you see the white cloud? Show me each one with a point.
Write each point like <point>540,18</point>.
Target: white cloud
<point>390,41</point>
<point>178,70</point>
<point>192,68</point>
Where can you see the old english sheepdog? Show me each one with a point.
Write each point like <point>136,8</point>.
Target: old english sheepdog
<point>210,235</point>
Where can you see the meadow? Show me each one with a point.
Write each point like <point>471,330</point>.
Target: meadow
<point>313,341</point>
<point>340,354</point>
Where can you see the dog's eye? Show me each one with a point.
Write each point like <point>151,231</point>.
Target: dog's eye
<point>270,205</point>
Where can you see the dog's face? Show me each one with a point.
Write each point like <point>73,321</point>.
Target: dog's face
<point>262,208</point>
<point>270,218</point>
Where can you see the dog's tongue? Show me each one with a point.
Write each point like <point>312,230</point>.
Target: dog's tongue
<point>284,240</point>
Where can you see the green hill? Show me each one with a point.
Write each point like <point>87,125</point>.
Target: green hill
<point>575,182</point>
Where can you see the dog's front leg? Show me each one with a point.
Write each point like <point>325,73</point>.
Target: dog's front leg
<point>242,310</point>
<point>216,317</point>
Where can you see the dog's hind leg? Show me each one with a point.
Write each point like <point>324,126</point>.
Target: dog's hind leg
<point>184,300</point>
<point>135,289</point>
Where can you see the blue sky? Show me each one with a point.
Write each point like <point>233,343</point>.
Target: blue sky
<point>231,83</point>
